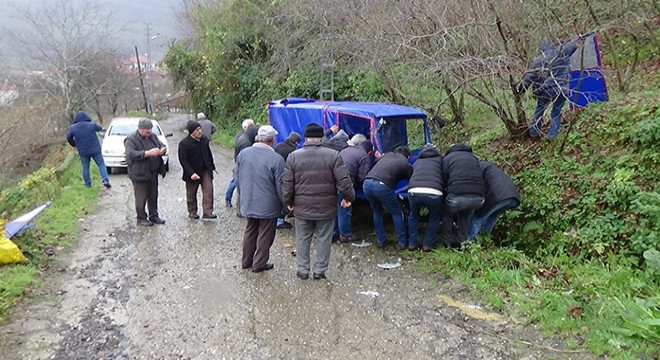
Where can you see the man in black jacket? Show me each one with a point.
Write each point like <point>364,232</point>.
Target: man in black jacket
<point>379,186</point>
<point>197,162</point>
<point>144,161</point>
<point>288,145</point>
<point>501,195</point>
<point>425,190</point>
<point>464,190</point>
<point>284,149</point>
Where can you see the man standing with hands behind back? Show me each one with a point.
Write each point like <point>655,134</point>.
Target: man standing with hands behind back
<point>144,159</point>
<point>312,177</point>
<point>197,162</point>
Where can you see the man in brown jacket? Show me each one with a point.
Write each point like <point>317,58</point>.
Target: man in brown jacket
<point>312,177</point>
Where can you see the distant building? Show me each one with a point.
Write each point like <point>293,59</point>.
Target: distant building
<point>8,93</point>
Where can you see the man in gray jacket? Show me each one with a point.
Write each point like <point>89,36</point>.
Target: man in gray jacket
<point>258,173</point>
<point>312,177</point>
<point>144,161</point>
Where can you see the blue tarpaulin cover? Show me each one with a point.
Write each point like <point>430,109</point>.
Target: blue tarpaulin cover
<point>293,114</point>
<point>386,125</point>
<point>587,79</point>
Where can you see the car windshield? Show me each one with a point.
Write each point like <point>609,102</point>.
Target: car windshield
<point>128,128</point>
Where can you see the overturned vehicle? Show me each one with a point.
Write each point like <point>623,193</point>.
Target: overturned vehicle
<point>387,126</point>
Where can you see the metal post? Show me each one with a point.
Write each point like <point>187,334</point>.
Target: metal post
<point>149,69</point>
<point>144,96</point>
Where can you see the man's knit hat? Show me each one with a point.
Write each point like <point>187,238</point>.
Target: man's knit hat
<point>313,130</point>
<point>191,126</point>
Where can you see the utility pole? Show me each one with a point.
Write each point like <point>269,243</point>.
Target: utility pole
<point>144,96</point>
<point>149,68</point>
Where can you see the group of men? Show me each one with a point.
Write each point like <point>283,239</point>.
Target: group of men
<point>317,183</point>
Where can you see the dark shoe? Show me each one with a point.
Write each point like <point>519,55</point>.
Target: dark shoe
<point>345,239</point>
<point>335,238</point>
<point>302,275</point>
<point>228,203</point>
<point>414,248</point>
<point>157,220</point>
<point>265,268</point>
<point>144,222</point>
<point>427,249</point>
<point>319,276</point>
<point>107,185</point>
<point>245,267</point>
<point>285,225</point>
<point>212,216</point>
<point>193,216</point>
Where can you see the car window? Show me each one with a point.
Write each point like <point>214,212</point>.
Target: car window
<point>126,129</point>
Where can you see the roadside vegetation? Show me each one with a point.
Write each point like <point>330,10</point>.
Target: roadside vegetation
<point>57,227</point>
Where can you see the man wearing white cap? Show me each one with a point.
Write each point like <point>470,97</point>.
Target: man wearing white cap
<point>258,173</point>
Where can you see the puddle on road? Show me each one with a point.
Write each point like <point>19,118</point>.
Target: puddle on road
<point>471,310</point>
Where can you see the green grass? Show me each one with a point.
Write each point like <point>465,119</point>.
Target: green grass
<point>56,228</point>
<point>583,303</point>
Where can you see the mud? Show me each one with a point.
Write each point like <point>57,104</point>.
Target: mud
<point>177,291</point>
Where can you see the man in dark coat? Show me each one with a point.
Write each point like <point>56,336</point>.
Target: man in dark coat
<point>284,149</point>
<point>501,195</point>
<point>379,186</point>
<point>244,139</point>
<point>83,136</point>
<point>197,163</point>
<point>287,146</point>
<point>258,174</point>
<point>464,192</point>
<point>425,190</point>
<point>144,159</point>
<point>358,163</point>
<point>549,75</point>
<point>312,177</point>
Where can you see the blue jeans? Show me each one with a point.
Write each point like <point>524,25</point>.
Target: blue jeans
<point>417,202</point>
<point>229,193</point>
<point>382,197</point>
<point>343,218</point>
<point>459,209</point>
<point>485,224</point>
<point>98,159</point>
<point>542,103</point>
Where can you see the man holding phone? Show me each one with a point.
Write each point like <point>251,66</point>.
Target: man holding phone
<point>144,160</point>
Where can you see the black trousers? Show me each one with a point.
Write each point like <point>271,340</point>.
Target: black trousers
<point>146,193</point>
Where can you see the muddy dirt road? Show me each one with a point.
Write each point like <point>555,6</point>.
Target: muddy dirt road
<point>177,291</point>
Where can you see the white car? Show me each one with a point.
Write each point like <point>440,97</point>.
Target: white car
<point>112,148</point>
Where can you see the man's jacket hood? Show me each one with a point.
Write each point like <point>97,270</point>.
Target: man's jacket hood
<point>428,151</point>
<point>81,116</point>
<point>458,147</point>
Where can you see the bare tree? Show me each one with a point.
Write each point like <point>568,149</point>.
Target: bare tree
<point>64,45</point>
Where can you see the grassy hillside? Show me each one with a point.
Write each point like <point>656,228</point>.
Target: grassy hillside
<point>580,256</point>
